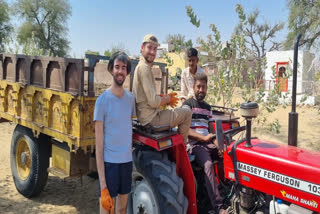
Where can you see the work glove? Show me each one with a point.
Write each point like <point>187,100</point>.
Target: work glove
<point>106,201</point>
<point>174,99</point>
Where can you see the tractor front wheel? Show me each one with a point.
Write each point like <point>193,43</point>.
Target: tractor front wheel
<point>156,187</point>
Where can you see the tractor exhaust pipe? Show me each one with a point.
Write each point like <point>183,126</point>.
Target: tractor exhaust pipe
<point>293,115</point>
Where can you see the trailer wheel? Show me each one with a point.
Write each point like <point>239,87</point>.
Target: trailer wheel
<point>29,157</point>
<point>156,187</point>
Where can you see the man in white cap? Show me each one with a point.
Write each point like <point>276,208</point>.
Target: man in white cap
<point>148,102</point>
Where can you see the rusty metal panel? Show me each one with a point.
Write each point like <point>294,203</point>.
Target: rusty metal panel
<point>11,100</point>
<point>81,77</point>
<point>73,78</point>
<point>74,118</point>
<point>56,114</point>
<point>9,69</point>
<point>86,118</point>
<point>1,67</point>
<point>38,110</point>
<point>25,105</point>
<point>36,73</point>
<point>60,74</point>
<point>23,70</point>
<point>53,78</point>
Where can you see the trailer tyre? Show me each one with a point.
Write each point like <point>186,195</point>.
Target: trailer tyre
<point>156,186</point>
<point>29,157</point>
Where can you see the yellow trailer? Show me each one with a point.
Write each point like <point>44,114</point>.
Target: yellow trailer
<point>52,101</point>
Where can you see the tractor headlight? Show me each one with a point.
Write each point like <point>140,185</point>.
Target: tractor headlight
<point>249,109</point>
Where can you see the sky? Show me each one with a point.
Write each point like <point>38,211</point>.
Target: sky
<point>98,25</point>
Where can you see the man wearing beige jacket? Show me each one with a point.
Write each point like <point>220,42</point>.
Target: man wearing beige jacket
<point>148,102</point>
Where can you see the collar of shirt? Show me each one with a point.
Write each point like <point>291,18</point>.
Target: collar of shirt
<point>189,73</point>
<point>143,60</point>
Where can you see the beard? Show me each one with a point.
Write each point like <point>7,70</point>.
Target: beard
<point>118,82</point>
<point>200,97</point>
<point>149,58</point>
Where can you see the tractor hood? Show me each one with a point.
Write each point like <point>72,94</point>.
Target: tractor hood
<point>287,172</point>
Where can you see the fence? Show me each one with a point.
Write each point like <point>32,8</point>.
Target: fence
<point>311,88</point>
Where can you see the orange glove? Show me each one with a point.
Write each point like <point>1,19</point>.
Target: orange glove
<point>164,107</point>
<point>174,100</point>
<point>106,201</point>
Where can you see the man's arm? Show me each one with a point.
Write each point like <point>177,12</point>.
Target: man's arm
<point>99,153</point>
<point>199,137</point>
<point>211,129</point>
<point>165,100</point>
<point>149,89</point>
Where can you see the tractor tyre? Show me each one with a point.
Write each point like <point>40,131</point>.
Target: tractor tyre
<point>29,157</point>
<point>156,187</point>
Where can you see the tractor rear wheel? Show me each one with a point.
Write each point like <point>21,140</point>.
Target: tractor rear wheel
<point>156,187</point>
<point>29,157</point>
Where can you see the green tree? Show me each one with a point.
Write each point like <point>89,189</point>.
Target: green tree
<point>92,52</point>
<point>231,62</point>
<point>229,68</point>
<point>179,42</point>
<point>107,53</point>
<point>115,48</point>
<point>30,47</point>
<point>304,18</point>
<point>259,39</point>
<point>47,21</point>
<point>5,26</point>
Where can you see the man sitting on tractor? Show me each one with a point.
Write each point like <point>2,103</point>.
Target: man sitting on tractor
<point>200,137</point>
<point>148,102</point>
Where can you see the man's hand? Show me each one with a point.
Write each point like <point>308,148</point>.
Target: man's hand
<point>165,99</point>
<point>221,151</point>
<point>174,100</point>
<point>106,201</point>
<point>169,99</point>
<point>208,137</point>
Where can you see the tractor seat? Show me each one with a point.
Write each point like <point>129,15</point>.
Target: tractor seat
<point>155,132</point>
<point>156,129</point>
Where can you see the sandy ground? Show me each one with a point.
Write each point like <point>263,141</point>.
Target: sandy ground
<point>70,196</point>
<point>308,127</point>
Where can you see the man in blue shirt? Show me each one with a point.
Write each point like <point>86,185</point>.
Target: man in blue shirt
<point>113,114</point>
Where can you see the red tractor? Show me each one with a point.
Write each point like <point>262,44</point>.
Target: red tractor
<point>255,172</point>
